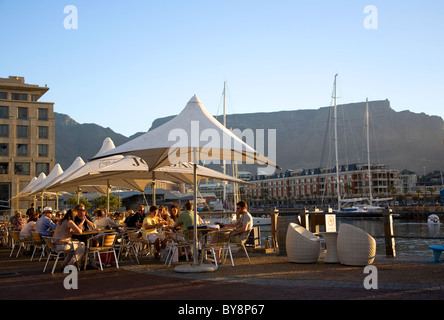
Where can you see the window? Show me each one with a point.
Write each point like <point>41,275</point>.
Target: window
<point>22,131</point>
<point>4,152</point>
<point>22,168</point>
<point>43,114</point>
<point>4,168</point>
<point>34,97</point>
<point>22,113</point>
<point>3,95</point>
<point>43,150</point>
<point>4,130</point>
<point>42,167</point>
<point>4,112</point>
<point>43,132</point>
<point>19,96</point>
<point>22,150</point>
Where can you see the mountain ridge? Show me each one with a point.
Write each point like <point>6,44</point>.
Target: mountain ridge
<point>404,140</point>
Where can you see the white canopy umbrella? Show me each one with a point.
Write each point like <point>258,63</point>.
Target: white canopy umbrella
<point>132,167</point>
<point>192,136</point>
<point>86,175</point>
<point>40,187</point>
<point>55,186</point>
<point>25,191</point>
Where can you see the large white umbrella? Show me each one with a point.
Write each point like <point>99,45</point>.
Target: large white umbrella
<point>192,136</point>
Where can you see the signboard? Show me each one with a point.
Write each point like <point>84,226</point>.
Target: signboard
<point>330,223</point>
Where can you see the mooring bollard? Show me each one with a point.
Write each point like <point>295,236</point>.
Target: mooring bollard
<point>388,233</point>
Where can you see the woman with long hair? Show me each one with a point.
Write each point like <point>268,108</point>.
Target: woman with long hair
<point>65,229</point>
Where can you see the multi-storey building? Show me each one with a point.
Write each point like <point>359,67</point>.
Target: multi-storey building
<point>27,139</point>
<point>315,184</point>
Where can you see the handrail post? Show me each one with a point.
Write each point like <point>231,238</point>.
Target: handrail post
<point>388,233</point>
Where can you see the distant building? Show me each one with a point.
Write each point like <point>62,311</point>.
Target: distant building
<point>27,139</point>
<point>318,183</point>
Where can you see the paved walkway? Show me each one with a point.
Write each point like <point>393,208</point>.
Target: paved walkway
<point>268,278</point>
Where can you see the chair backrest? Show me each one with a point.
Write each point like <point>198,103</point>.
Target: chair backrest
<point>133,236</point>
<point>49,243</point>
<point>37,237</point>
<point>221,237</point>
<point>108,239</point>
<point>15,235</point>
<point>243,236</point>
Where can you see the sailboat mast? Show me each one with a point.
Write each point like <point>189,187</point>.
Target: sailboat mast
<point>225,125</point>
<point>368,153</point>
<point>336,147</point>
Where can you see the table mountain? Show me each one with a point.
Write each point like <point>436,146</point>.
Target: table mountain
<point>304,138</point>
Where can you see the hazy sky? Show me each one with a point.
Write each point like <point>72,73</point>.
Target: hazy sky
<point>122,64</point>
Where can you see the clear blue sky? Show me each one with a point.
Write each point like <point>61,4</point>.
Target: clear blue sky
<point>130,62</point>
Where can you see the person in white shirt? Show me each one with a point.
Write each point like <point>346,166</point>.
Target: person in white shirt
<point>28,227</point>
<point>104,222</point>
<point>243,225</point>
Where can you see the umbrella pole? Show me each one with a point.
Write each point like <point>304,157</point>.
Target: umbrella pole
<point>195,210</point>
<point>107,197</point>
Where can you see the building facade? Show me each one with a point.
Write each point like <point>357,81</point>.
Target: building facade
<point>27,139</point>
<point>320,184</point>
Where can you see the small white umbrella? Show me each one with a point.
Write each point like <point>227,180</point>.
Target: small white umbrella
<point>87,174</point>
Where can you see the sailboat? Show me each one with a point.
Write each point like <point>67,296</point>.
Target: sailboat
<point>356,205</point>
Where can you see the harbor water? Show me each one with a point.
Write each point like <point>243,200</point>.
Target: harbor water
<point>411,238</point>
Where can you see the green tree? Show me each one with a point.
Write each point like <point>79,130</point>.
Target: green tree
<point>72,201</point>
<point>101,202</point>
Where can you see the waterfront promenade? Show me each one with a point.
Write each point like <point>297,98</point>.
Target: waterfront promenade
<point>269,277</point>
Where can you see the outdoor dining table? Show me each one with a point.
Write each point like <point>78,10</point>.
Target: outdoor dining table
<point>89,234</point>
<point>331,239</point>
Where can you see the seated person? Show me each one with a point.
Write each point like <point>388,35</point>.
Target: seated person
<point>104,222</point>
<point>44,224</point>
<point>82,221</point>
<point>136,220</point>
<point>29,227</point>
<point>186,219</point>
<point>243,225</point>
<point>65,228</point>
<point>150,232</point>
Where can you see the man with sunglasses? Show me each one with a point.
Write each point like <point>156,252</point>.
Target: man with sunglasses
<point>82,220</point>
<point>136,220</point>
<point>243,225</point>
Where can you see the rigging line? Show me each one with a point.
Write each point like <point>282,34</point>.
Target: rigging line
<point>218,108</point>
<point>353,144</point>
<point>375,139</point>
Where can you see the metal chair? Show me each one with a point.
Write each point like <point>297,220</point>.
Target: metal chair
<point>107,246</point>
<point>53,252</point>
<point>176,241</point>
<point>4,234</point>
<point>38,242</point>
<point>128,244</point>
<point>18,242</point>
<point>218,241</point>
<point>240,243</point>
